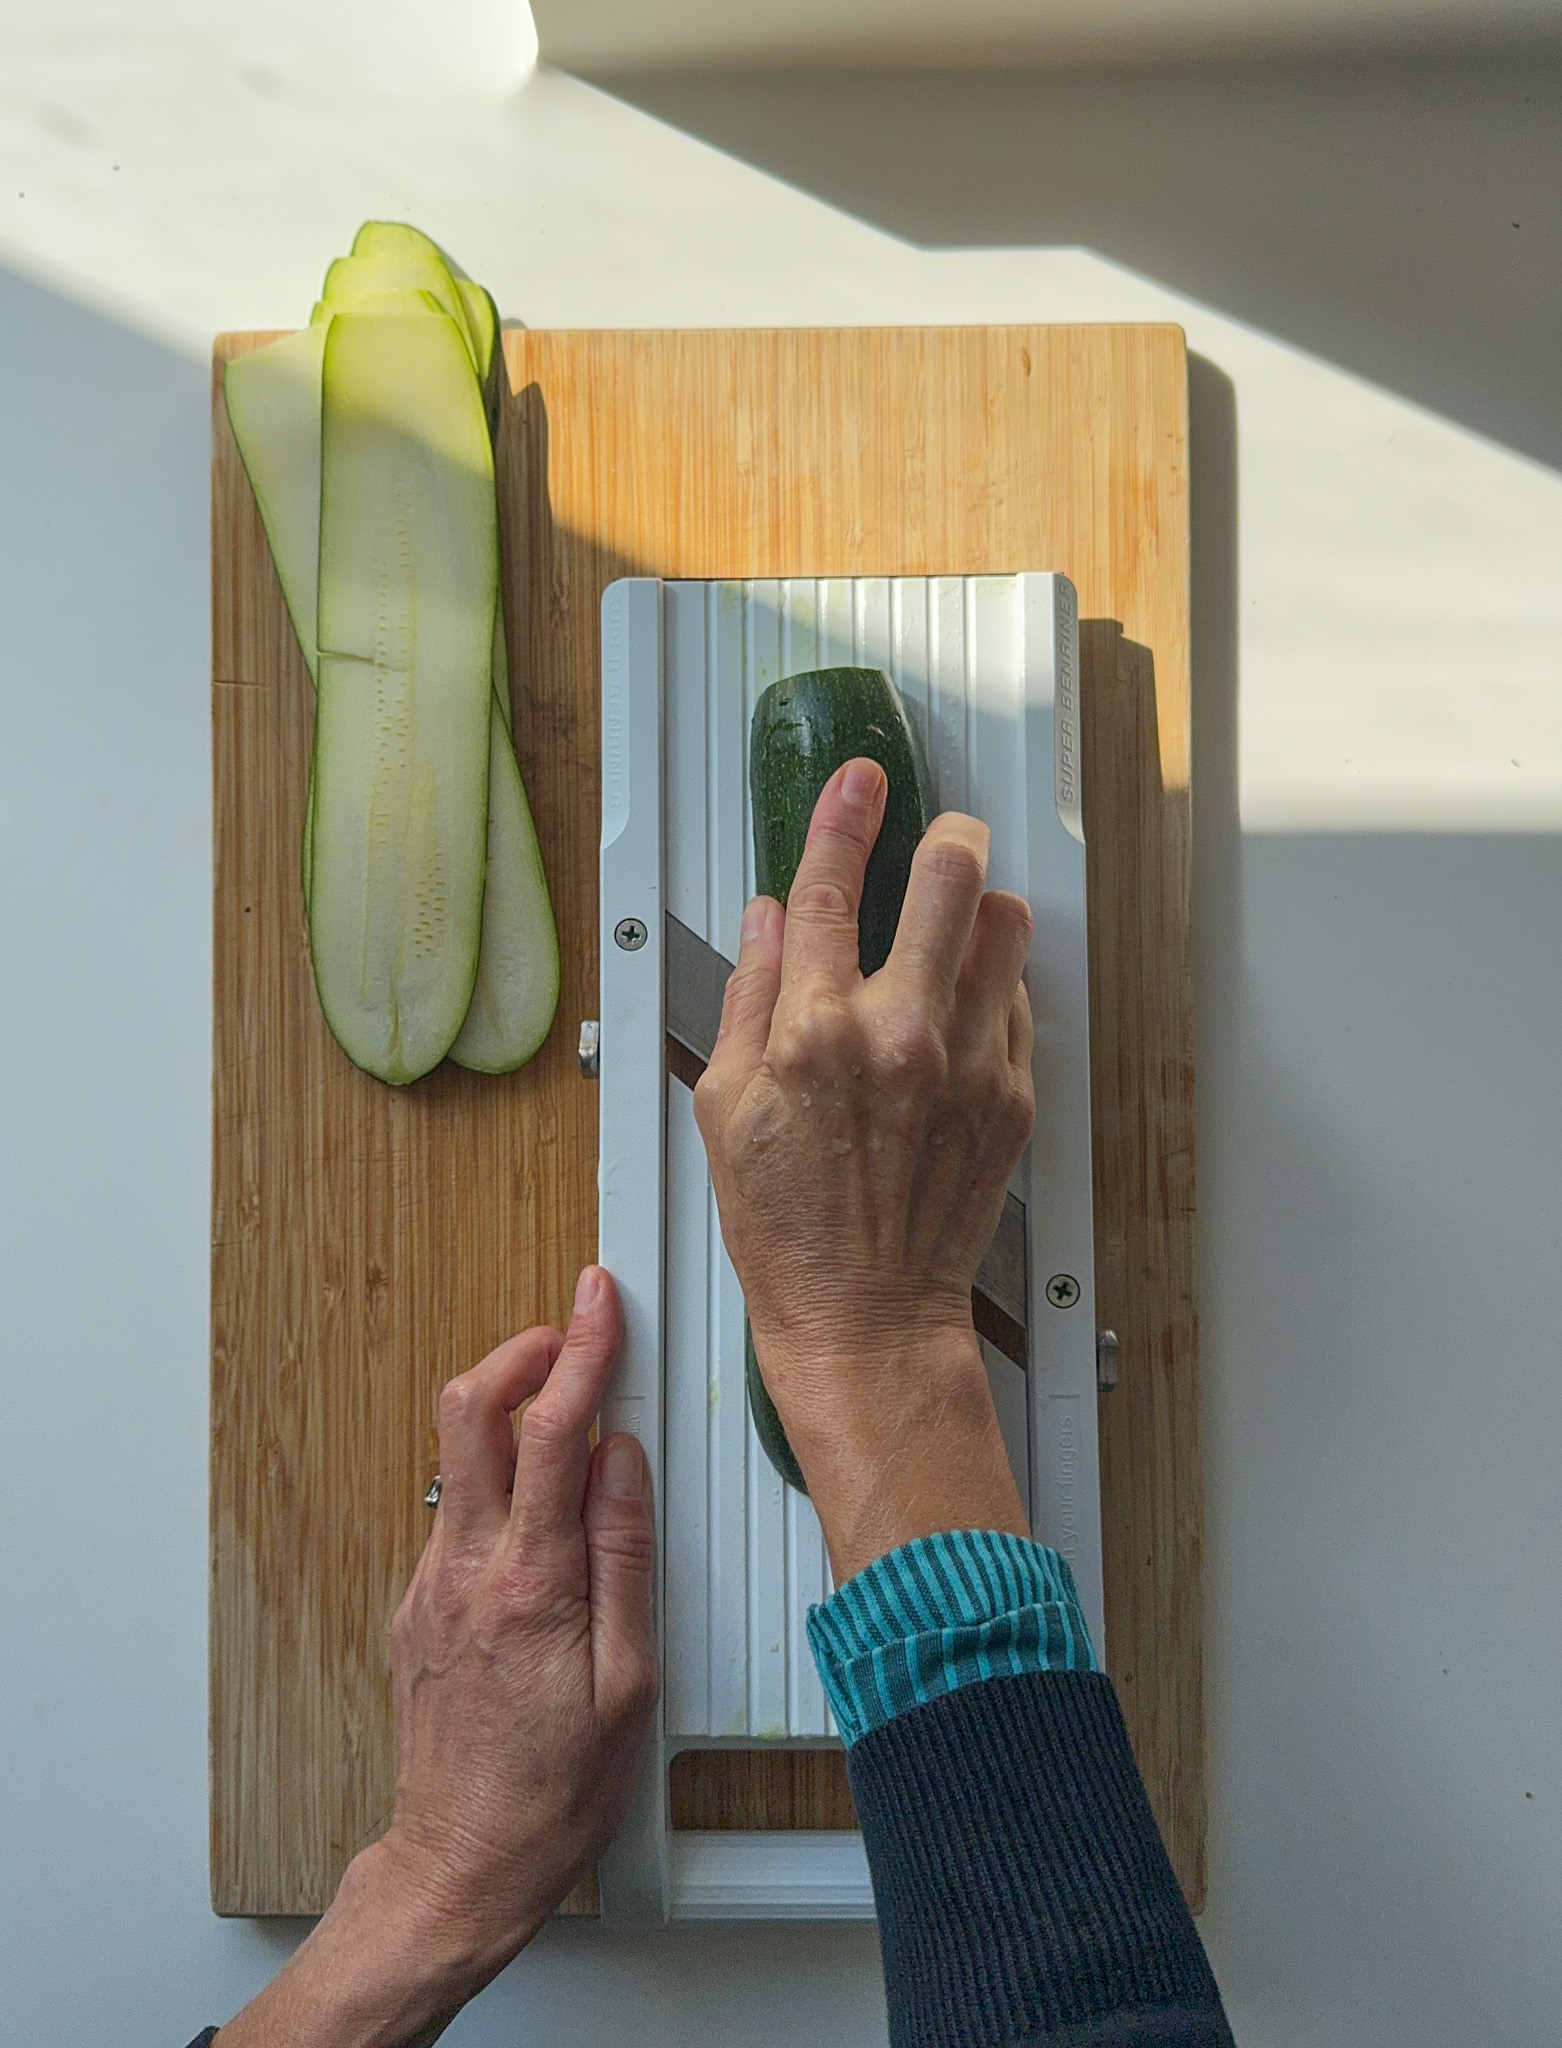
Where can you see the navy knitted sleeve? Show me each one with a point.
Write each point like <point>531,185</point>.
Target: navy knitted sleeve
<point>1025,1898</point>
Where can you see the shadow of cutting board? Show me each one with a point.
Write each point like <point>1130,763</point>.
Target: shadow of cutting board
<point>369,1242</point>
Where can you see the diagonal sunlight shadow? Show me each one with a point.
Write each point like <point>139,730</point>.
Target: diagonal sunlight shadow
<point>1337,237</point>
<point>1393,214</point>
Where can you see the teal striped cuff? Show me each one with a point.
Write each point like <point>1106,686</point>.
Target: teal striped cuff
<point>940,1613</point>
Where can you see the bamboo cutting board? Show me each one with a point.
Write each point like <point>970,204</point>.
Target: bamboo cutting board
<point>367,1242</point>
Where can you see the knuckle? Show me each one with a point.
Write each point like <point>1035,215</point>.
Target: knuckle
<point>1019,1107</point>
<point>983,1094</point>
<point>787,1052</point>
<point>952,865</point>
<point>519,1581</point>
<point>1004,908</point>
<point>745,984</point>
<point>804,1040</point>
<point>1024,918</point>
<point>709,1102</point>
<point>820,902</point>
<point>984,1088</point>
<point>626,1540</point>
<point>457,1400</point>
<point>542,1430</point>
<point>915,1052</point>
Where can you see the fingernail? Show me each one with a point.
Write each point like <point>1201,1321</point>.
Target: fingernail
<point>753,921</point>
<point>860,785</point>
<point>588,1287</point>
<point>623,1470</point>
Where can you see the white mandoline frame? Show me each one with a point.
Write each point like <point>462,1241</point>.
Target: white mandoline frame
<point>989,667</point>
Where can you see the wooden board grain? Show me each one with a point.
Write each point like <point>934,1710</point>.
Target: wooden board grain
<point>367,1242</point>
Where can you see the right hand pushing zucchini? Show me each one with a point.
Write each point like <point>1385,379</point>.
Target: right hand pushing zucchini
<point>805,728</point>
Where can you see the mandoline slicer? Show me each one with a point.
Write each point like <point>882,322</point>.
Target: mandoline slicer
<point>989,669</point>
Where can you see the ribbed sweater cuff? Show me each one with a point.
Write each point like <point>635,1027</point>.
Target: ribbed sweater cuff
<point>1023,1891</point>
<point>941,1612</point>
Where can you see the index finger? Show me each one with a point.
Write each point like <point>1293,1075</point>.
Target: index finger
<point>476,1447</point>
<point>939,915</point>
<point>821,911</point>
<point>550,1468</point>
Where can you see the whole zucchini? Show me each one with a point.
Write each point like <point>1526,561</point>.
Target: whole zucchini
<point>767,1424</point>
<point>805,727</point>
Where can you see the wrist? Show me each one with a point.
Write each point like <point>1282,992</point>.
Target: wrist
<point>388,1965</point>
<point>388,1915</point>
<point>896,1442</point>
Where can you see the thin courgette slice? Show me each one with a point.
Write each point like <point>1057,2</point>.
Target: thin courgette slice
<point>501,676</point>
<point>501,666</point>
<point>396,242</point>
<point>483,319</point>
<point>395,238</point>
<point>398,238</point>
<point>384,249</point>
<point>516,991</point>
<point>402,300</point>
<point>409,575</point>
<point>273,400</point>
<point>353,278</point>
<point>517,986</point>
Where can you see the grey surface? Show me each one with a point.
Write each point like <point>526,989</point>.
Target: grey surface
<point>1380,1226</point>
<point>1380,1130</point>
<point>1399,215</point>
<point>760,33</point>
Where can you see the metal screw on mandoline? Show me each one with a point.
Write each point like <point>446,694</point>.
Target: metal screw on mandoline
<point>1062,1290</point>
<point>631,934</point>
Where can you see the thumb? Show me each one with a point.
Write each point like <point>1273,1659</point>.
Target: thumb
<point>621,1564</point>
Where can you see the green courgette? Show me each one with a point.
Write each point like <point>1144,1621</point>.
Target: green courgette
<point>805,727</point>
<point>767,1423</point>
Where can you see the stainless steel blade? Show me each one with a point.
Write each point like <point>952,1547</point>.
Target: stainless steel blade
<point>696,982</point>
<point>1003,1275</point>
